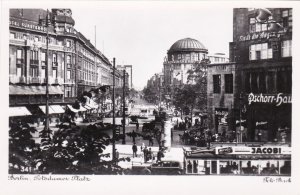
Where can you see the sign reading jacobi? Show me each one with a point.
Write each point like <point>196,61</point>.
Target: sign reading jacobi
<point>253,150</point>
<point>278,99</point>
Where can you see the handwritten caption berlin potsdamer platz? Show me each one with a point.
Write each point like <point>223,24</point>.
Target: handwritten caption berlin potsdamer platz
<point>48,178</point>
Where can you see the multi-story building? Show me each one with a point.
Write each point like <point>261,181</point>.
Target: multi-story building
<point>74,64</point>
<point>217,58</point>
<point>182,56</point>
<point>260,104</point>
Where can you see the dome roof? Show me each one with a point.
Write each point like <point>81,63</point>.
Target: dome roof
<point>187,44</point>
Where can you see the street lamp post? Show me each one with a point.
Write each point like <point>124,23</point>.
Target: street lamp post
<point>240,136</point>
<point>46,22</point>
<point>114,122</point>
<point>123,124</point>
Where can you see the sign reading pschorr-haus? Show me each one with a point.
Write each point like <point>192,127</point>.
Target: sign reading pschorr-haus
<point>254,150</point>
<point>278,99</point>
<point>26,25</point>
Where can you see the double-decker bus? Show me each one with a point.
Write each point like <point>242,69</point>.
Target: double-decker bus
<point>238,160</point>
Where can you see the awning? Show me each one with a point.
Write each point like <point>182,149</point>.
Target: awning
<point>92,104</point>
<point>34,90</point>
<point>72,109</point>
<point>19,111</point>
<point>43,108</point>
<point>57,109</point>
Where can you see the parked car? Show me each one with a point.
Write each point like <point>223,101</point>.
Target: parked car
<point>169,167</point>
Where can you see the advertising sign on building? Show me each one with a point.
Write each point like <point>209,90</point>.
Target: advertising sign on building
<point>277,99</point>
<point>254,150</point>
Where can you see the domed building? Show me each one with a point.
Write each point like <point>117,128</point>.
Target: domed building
<point>182,56</point>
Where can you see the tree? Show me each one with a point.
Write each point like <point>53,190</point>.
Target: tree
<point>75,150</point>
<point>21,148</point>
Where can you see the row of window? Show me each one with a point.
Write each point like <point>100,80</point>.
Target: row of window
<point>268,82</point>
<point>228,78</point>
<point>34,56</point>
<point>265,50</point>
<point>189,57</point>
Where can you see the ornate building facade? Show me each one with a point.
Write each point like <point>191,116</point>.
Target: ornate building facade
<point>74,64</point>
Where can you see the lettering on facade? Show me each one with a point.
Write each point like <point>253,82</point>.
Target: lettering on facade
<point>261,35</point>
<point>221,111</point>
<point>27,25</point>
<point>277,99</point>
<point>227,150</point>
<point>266,150</point>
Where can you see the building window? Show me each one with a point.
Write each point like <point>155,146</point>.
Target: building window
<point>43,58</point>
<point>43,72</point>
<point>12,35</point>
<point>34,71</point>
<point>54,59</point>
<point>179,56</point>
<point>260,51</point>
<point>68,91</point>
<point>36,39</point>
<point>228,83</point>
<point>54,73</point>
<point>19,54</point>
<point>68,44</point>
<point>68,59</point>
<point>286,48</point>
<point>217,83</point>
<point>25,36</point>
<point>19,71</point>
<point>285,13</point>
<point>69,74</point>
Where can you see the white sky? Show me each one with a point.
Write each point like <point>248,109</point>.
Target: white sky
<point>140,33</point>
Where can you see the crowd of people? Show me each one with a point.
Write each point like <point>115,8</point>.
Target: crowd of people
<point>146,153</point>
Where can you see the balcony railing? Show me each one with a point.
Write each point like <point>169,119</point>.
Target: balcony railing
<point>35,80</point>
<point>20,61</point>
<point>69,65</point>
<point>34,62</point>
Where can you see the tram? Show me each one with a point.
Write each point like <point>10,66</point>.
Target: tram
<point>238,160</point>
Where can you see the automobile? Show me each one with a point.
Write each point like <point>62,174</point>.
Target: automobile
<point>167,167</point>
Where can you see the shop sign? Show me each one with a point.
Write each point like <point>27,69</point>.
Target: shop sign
<point>26,25</point>
<point>221,111</point>
<point>261,35</point>
<point>254,150</point>
<point>277,99</point>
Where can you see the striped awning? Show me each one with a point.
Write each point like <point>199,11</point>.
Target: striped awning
<point>33,90</point>
<point>81,109</point>
<point>53,109</point>
<point>19,111</point>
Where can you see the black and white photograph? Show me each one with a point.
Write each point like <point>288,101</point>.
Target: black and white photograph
<point>143,96</point>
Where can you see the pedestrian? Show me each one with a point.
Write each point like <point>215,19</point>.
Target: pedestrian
<point>145,151</point>
<point>117,156</point>
<point>142,148</point>
<point>134,150</point>
<point>133,134</point>
<point>159,155</point>
<point>137,125</point>
<point>151,140</point>
<point>149,154</point>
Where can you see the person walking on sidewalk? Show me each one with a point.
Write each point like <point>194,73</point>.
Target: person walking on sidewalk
<point>151,140</point>
<point>145,154</point>
<point>137,126</point>
<point>134,150</point>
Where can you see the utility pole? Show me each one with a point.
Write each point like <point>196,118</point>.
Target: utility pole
<point>47,75</point>
<point>46,22</point>
<point>124,74</point>
<point>114,122</point>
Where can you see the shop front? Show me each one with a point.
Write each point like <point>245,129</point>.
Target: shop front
<point>269,117</point>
